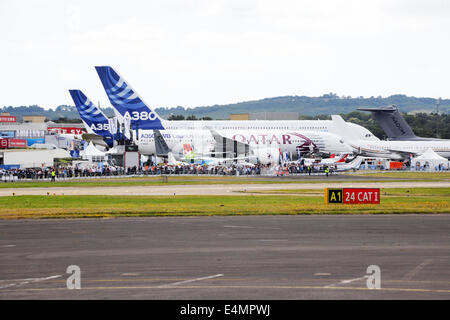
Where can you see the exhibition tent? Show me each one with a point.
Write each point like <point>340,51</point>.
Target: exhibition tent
<point>92,153</point>
<point>430,161</point>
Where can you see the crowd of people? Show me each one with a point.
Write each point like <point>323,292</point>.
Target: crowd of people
<point>66,172</point>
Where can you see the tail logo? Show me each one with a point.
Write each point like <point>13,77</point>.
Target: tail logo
<point>126,101</point>
<point>143,115</point>
<point>100,126</point>
<point>307,146</point>
<point>118,91</point>
<point>398,125</point>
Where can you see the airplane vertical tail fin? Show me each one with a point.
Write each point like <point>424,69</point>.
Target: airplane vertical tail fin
<point>392,122</point>
<point>171,159</point>
<point>93,118</point>
<point>343,157</point>
<point>341,128</point>
<point>126,100</point>
<point>162,149</point>
<point>188,152</point>
<point>89,113</point>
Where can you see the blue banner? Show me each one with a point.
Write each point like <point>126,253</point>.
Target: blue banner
<point>30,142</point>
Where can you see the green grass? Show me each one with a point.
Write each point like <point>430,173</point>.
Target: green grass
<point>20,207</point>
<point>407,192</point>
<point>440,176</point>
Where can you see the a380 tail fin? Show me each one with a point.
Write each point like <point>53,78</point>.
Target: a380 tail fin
<point>126,100</point>
<point>93,118</point>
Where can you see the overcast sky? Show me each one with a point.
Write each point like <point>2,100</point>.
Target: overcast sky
<point>204,52</point>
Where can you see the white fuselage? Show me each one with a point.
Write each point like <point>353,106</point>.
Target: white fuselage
<point>284,140</point>
<point>267,126</point>
<point>397,149</point>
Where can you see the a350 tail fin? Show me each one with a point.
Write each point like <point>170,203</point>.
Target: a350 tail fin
<point>93,118</point>
<point>392,122</point>
<point>126,100</point>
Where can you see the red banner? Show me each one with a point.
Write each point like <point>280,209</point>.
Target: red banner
<point>66,130</point>
<point>8,119</point>
<point>395,165</point>
<point>361,195</point>
<point>13,143</point>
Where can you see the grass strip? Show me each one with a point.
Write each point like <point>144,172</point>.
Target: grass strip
<point>407,192</point>
<point>27,207</point>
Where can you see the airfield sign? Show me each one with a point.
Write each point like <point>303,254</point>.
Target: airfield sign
<point>352,195</point>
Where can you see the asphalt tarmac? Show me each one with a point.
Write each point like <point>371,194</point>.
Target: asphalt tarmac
<point>248,257</point>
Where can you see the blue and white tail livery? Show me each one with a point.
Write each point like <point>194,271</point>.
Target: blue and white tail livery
<point>93,118</point>
<point>127,102</point>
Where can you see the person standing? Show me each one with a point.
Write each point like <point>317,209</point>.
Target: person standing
<point>53,175</point>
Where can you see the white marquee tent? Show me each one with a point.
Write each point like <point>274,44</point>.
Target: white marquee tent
<point>429,161</point>
<point>92,153</point>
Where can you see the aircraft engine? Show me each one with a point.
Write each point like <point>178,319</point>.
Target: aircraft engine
<point>269,156</point>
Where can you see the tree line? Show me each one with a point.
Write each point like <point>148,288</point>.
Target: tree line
<point>429,125</point>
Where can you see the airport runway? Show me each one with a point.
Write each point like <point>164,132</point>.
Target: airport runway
<point>248,257</point>
<point>211,189</point>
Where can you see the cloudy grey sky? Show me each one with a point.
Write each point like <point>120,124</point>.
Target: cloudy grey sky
<point>205,52</point>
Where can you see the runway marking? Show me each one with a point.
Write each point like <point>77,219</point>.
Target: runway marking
<point>248,227</point>
<point>417,269</point>
<point>8,246</point>
<point>244,279</point>
<point>346,281</point>
<point>192,280</point>
<point>242,227</point>
<point>26,281</point>
<point>242,287</point>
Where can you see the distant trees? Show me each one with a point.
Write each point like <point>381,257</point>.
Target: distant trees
<point>423,123</point>
<point>191,117</point>
<point>66,120</point>
<point>176,117</point>
<point>429,125</point>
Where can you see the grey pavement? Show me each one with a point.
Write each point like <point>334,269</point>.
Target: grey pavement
<point>248,257</point>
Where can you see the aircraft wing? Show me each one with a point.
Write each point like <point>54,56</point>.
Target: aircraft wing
<point>90,136</point>
<point>95,138</point>
<point>404,154</point>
